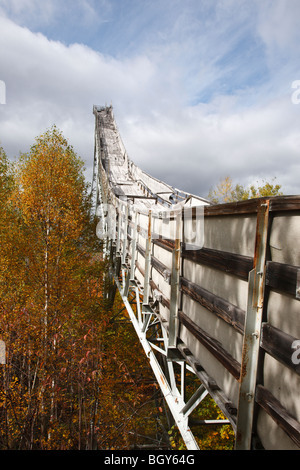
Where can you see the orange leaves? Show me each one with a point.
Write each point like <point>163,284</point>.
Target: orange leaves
<point>46,268</point>
<point>51,186</point>
<point>73,379</point>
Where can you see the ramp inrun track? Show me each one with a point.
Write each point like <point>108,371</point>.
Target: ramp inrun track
<point>217,291</point>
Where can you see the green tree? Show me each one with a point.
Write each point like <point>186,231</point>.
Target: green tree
<point>225,191</point>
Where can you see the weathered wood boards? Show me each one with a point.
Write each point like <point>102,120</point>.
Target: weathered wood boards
<point>213,285</point>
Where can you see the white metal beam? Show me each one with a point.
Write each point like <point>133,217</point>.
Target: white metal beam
<point>173,399</point>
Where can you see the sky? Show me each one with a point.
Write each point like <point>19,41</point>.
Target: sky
<point>201,89</point>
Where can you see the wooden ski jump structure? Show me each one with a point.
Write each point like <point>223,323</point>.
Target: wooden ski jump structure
<point>216,290</point>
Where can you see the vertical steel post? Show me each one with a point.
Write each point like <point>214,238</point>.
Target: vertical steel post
<point>252,333</point>
<point>124,245</point>
<point>118,247</point>
<point>146,310</point>
<point>175,277</point>
<point>138,305</point>
<point>147,263</point>
<point>133,247</point>
<point>130,273</point>
<point>183,379</point>
<point>125,273</point>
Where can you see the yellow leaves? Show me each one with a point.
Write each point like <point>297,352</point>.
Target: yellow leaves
<point>48,307</point>
<point>58,437</point>
<point>64,370</point>
<point>225,191</point>
<point>51,186</point>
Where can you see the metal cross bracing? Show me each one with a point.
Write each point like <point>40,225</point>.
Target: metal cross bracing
<point>159,342</point>
<point>201,293</point>
<point>122,226</point>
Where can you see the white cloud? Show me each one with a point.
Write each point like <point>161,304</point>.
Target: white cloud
<point>48,82</point>
<point>204,144</point>
<point>187,103</point>
<point>278,24</point>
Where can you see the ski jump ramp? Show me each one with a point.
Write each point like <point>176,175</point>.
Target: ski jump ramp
<point>216,290</point>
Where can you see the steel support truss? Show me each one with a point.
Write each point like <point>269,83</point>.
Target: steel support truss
<point>169,359</point>
<point>155,342</point>
<point>160,344</point>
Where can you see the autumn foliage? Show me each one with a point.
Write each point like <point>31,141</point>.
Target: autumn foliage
<point>225,191</point>
<point>66,383</point>
<point>70,381</point>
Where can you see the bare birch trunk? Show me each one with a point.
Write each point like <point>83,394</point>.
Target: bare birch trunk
<point>45,321</point>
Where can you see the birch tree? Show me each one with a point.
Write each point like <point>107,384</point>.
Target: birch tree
<point>51,196</point>
<point>69,381</point>
<point>225,191</point>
